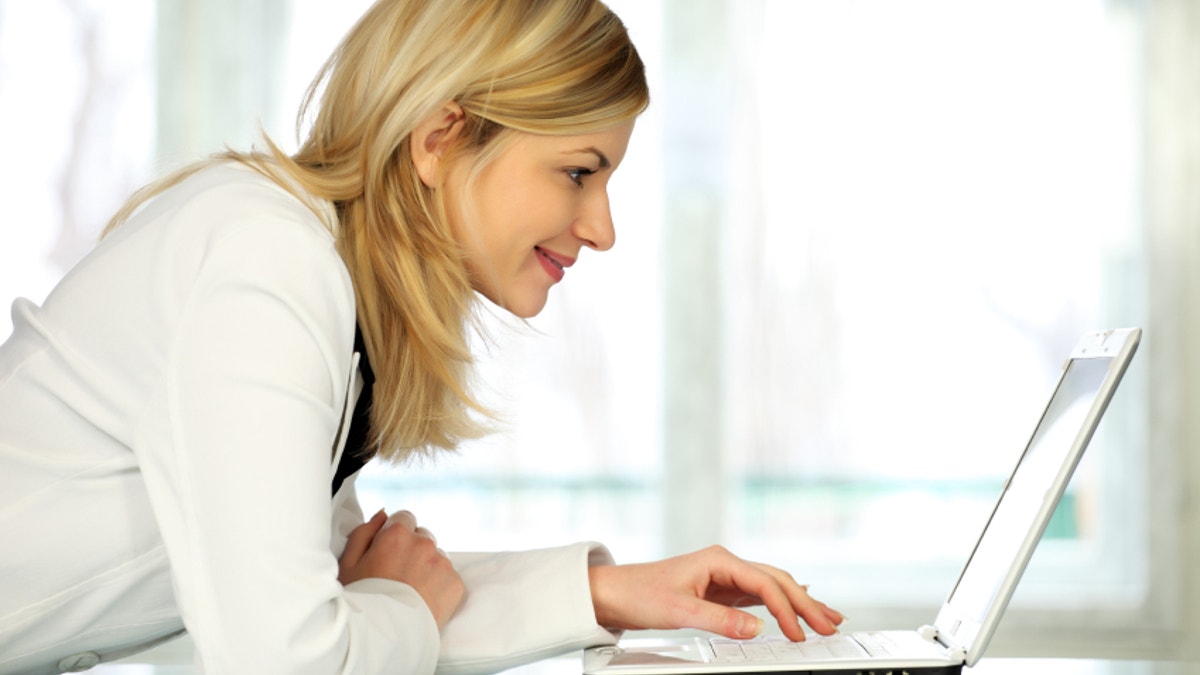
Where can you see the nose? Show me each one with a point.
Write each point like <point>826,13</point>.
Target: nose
<point>594,227</point>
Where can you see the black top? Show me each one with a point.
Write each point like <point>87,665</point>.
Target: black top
<point>357,452</point>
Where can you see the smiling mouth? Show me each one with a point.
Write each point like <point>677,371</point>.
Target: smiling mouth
<point>554,264</point>
<point>549,258</point>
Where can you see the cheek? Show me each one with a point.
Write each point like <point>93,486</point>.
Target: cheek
<point>478,225</point>
<point>507,217</point>
<point>453,205</point>
<point>511,209</point>
<point>470,213</point>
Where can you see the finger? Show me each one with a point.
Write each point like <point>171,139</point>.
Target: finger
<point>835,617</point>
<point>814,612</point>
<point>721,620</point>
<point>424,532</point>
<point>781,606</point>
<point>759,581</point>
<point>404,519</point>
<point>360,539</point>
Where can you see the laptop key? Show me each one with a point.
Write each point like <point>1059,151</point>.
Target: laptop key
<point>758,651</point>
<point>875,647</point>
<point>814,650</point>
<point>844,647</point>
<point>727,651</point>
<point>784,649</point>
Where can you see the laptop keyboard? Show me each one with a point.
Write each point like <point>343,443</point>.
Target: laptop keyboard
<point>849,646</point>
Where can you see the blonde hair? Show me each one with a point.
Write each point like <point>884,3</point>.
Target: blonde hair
<point>536,66</point>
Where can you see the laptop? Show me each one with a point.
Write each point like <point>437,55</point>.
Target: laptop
<point>969,616</point>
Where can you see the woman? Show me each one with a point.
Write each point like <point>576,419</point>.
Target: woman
<point>255,327</point>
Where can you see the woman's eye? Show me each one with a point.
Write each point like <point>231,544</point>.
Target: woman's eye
<point>577,175</point>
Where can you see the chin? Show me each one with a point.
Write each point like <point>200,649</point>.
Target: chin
<point>527,307</point>
<point>527,311</point>
<point>521,305</point>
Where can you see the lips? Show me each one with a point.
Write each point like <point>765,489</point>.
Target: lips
<point>553,263</point>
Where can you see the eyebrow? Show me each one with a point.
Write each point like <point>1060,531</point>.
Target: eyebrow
<point>604,163</point>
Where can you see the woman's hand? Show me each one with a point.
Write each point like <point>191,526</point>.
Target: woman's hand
<point>395,548</point>
<point>700,590</point>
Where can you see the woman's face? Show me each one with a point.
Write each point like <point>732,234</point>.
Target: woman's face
<point>541,201</point>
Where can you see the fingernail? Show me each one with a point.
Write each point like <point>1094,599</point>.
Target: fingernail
<point>749,626</point>
<point>837,627</point>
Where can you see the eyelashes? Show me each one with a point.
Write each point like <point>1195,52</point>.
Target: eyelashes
<point>576,175</point>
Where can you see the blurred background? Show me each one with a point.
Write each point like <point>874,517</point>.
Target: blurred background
<point>856,240</point>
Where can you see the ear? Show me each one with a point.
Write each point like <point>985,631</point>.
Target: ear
<point>432,138</point>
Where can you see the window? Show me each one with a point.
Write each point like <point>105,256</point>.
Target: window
<point>937,215</point>
<point>77,96</point>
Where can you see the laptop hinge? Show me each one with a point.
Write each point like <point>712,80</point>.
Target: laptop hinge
<point>954,651</point>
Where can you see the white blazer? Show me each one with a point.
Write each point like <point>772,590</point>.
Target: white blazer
<point>170,420</point>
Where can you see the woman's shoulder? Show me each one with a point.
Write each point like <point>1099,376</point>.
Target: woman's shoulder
<point>229,209</point>
<point>226,221</point>
<point>231,196</point>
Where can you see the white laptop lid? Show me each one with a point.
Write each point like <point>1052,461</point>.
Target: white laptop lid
<point>973,609</point>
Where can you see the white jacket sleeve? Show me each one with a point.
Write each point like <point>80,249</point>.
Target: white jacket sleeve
<point>521,607</point>
<point>236,449</point>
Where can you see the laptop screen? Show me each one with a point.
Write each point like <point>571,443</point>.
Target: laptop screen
<point>1016,511</point>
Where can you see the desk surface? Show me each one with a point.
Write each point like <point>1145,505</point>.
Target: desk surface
<point>173,659</point>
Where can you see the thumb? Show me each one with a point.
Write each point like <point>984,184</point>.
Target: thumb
<point>726,621</point>
<point>361,537</point>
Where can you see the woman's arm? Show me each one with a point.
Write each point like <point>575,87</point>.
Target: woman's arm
<point>701,590</point>
<point>521,607</point>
